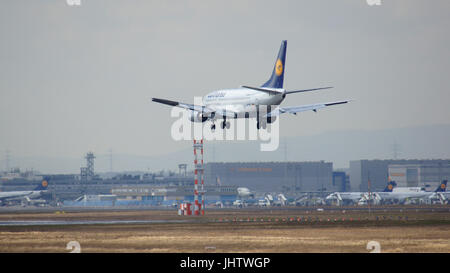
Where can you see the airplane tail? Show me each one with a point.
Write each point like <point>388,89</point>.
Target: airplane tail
<point>276,80</point>
<point>43,185</point>
<point>442,187</point>
<point>390,186</point>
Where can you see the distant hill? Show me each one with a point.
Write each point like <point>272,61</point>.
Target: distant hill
<point>339,147</point>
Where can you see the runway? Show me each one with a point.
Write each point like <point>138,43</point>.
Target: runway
<point>399,229</point>
<point>392,208</point>
<point>93,222</point>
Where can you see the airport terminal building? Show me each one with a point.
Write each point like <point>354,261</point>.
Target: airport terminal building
<point>428,176</point>
<point>174,193</point>
<point>409,173</point>
<point>287,177</point>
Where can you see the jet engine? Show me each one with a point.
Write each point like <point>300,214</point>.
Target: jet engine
<point>196,116</point>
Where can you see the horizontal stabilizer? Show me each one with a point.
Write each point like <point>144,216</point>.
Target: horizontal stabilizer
<point>306,90</point>
<point>272,91</point>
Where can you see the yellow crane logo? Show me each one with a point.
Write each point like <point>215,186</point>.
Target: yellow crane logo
<point>279,67</point>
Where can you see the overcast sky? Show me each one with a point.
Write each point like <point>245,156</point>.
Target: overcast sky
<point>74,79</point>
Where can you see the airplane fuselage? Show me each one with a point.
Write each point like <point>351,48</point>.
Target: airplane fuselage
<point>241,100</point>
<point>19,194</point>
<point>405,195</point>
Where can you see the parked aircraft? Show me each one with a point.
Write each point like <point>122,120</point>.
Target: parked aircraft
<point>402,196</point>
<point>355,197</point>
<point>28,196</point>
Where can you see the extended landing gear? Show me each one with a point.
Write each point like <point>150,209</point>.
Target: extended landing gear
<point>261,119</point>
<point>225,124</point>
<point>260,125</point>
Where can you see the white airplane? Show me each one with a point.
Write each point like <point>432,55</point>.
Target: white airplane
<point>355,197</point>
<point>441,194</point>
<point>402,196</point>
<point>244,192</point>
<point>25,195</point>
<point>261,102</point>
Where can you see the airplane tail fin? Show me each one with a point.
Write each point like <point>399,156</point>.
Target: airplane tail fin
<point>43,185</point>
<point>390,186</point>
<point>442,187</point>
<point>276,80</point>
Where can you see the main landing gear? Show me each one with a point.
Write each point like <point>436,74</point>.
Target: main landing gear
<point>260,122</point>
<point>224,125</point>
<point>260,125</point>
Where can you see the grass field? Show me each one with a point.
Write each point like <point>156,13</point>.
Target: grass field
<point>233,231</point>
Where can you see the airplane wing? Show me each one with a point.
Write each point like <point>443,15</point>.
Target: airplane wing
<point>276,91</point>
<point>198,108</point>
<point>192,107</point>
<point>309,107</point>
